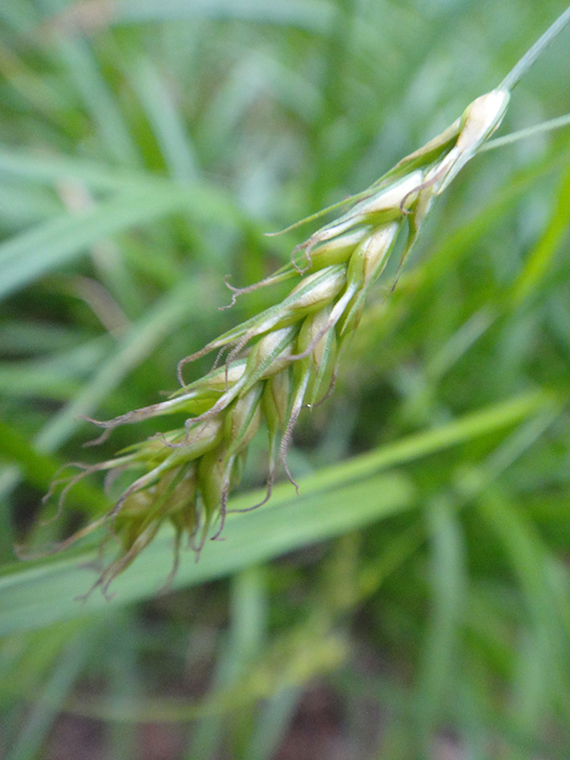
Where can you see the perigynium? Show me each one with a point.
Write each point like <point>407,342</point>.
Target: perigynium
<point>281,360</point>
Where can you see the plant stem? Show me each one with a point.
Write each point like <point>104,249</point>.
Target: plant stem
<point>520,69</point>
<point>522,134</point>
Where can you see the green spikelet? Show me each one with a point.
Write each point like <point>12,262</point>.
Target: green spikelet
<point>282,359</point>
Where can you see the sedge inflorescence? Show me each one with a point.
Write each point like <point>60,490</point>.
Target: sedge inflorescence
<point>279,361</point>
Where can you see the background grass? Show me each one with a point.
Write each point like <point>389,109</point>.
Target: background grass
<point>415,601</point>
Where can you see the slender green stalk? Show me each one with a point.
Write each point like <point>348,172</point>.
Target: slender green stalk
<point>533,54</point>
<point>523,134</point>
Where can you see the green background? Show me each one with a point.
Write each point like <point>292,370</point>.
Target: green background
<point>414,601</point>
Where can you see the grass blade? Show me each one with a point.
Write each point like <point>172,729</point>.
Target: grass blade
<point>37,594</point>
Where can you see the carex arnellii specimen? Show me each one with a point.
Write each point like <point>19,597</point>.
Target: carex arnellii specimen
<point>282,359</point>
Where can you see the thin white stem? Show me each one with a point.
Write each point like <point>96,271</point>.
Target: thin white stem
<point>522,134</point>
<point>520,69</point>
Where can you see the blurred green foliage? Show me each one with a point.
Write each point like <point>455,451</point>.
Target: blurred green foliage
<point>420,582</point>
